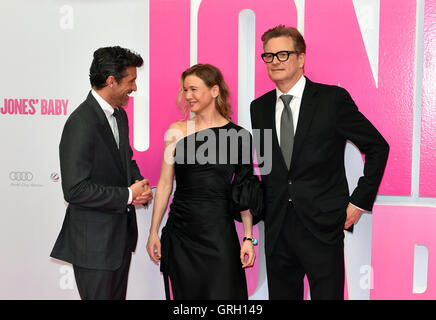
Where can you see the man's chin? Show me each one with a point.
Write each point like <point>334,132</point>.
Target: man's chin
<point>276,77</point>
<point>125,102</point>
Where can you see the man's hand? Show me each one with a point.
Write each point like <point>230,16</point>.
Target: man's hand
<point>353,214</point>
<point>141,192</point>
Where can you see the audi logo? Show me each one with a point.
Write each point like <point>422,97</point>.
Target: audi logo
<point>20,176</point>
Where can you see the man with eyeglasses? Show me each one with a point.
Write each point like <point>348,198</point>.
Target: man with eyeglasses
<point>307,201</point>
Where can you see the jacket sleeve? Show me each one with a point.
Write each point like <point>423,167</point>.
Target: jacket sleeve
<point>353,126</point>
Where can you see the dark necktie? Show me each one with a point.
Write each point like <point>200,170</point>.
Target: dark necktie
<point>286,130</point>
<point>121,133</point>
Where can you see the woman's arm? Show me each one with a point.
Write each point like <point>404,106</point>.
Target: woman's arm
<point>163,193</point>
<point>247,247</point>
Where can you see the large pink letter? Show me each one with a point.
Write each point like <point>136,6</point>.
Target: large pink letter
<point>169,57</point>
<point>336,54</point>
<point>218,37</point>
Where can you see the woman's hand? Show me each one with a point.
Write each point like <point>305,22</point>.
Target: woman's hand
<point>153,247</point>
<point>247,254</point>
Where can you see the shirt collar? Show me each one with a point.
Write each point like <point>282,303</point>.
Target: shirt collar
<point>296,90</point>
<point>107,108</point>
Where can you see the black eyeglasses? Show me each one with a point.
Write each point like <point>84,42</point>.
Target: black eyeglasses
<point>282,56</point>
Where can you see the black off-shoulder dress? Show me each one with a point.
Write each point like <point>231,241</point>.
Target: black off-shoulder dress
<point>214,182</point>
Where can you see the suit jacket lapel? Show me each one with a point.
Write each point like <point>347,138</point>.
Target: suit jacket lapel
<point>307,110</point>
<point>105,131</point>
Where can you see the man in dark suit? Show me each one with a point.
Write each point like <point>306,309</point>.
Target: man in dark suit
<point>307,201</point>
<point>100,180</point>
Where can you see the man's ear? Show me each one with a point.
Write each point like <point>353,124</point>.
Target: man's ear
<point>302,59</point>
<point>111,81</point>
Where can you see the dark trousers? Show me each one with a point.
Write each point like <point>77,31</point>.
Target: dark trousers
<point>103,284</point>
<point>298,252</point>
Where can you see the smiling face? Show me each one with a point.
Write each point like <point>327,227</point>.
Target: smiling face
<point>121,90</point>
<point>198,95</point>
<point>284,74</point>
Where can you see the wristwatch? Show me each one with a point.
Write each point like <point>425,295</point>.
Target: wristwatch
<point>253,240</point>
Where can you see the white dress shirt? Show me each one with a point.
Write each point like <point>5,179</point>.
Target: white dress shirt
<point>109,112</point>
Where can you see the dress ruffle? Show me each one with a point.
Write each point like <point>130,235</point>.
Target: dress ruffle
<point>248,194</point>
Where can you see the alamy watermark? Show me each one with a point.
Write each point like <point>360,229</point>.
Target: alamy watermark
<point>219,146</point>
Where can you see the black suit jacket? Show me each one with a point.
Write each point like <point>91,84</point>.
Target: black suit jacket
<point>99,225</point>
<point>316,182</point>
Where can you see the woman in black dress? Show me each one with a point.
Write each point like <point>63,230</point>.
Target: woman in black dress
<point>211,159</point>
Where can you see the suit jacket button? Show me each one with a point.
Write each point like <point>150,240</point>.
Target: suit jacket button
<point>290,182</point>
<point>128,209</point>
<point>290,200</point>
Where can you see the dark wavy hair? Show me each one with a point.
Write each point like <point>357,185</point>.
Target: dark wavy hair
<point>112,61</point>
<point>211,76</point>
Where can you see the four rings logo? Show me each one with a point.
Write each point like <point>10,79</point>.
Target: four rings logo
<point>20,176</point>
